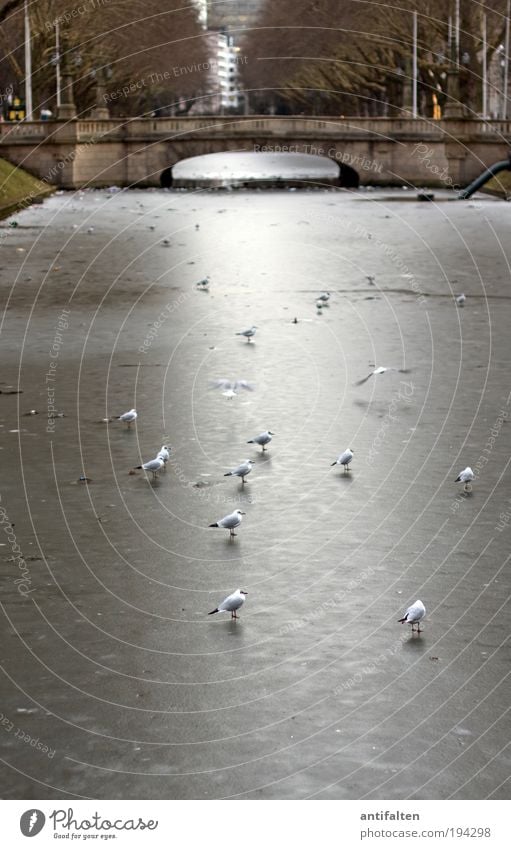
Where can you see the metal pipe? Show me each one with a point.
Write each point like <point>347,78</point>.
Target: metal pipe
<point>483,178</point>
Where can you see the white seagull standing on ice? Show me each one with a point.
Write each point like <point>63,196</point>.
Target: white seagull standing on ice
<point>231,387</point>
<point>344,459</point>
<point>460,299</point>
<point>231,604</point>
<point>414,614</point>
<point>466,476</point>
<point>229,522</point>
<point>241,471</point>
<point>381,370</point>
<point>325,296</point>
<point>263,439</point>
<point>248,333</point>
<point>203,284</point>
<point>128,417</point>
<point>153,466</point>
<point>164,454</point>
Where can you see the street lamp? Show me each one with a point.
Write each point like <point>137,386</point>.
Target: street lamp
<point>28,66</point>
<point>506,63</point>
<point>55,60</point>
<point>414,71</point>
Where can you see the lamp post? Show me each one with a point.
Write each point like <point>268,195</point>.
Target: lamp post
<point>28,66</point>
<point>505,94</point>
<point>453,108</point>
<point>485,71</point>
<point>57,63</point>
<point>414,67</point>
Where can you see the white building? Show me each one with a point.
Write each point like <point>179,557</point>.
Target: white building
<point>217,19</point>
<point>228,72</point>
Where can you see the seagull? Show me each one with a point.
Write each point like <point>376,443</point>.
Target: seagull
<point>153,466</point>
<point>241,471</point>
<point>344,459</point>
<point>414,614</point>
<point>128,417</point>
<point>229,522</point>
<point>370,279</point>
<point>381,370</point>
<point>466,476</point>
<point>230,387</point>
<point>203,284</point>
<point>231,604</point>
<point>248,333</point>
<point>325,296</point>
<point>166,243</point>
<point>164,454</point>
<point>460,299</point>
<point>263,439</point>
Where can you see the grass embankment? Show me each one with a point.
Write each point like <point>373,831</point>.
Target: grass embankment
<point>18,189</point>
<point>499,185</point>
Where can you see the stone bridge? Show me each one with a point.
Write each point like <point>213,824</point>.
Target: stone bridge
<point>138,151</point>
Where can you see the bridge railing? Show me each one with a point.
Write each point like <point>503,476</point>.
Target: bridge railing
<point>249,126</point>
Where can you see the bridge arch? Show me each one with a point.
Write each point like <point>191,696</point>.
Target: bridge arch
<point>349,178</point>
<point>166,178</point>
<point>268,167</point>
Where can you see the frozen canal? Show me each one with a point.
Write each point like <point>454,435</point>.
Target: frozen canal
<point>116,683</point>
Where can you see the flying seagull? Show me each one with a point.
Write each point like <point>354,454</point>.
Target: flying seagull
<point>231,604</point>
<point>414,614</point>
<point>262,439</point>
<point>344,459</point>
<point>381,370</point>
<point>128,417</point>
<point>466,476</point>
<point>231,387</point>
<point>241,471</point>
<point>153,466</point>
<point>248,333</point>
<point>229,522</point>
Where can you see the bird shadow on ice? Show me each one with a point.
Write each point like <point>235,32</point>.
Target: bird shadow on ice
<point>414,642</point>
<point>230,540</point>
<point>345,477</point>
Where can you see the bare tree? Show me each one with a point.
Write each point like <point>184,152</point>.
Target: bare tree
<point>355,57</point>
<point>152,51</point>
